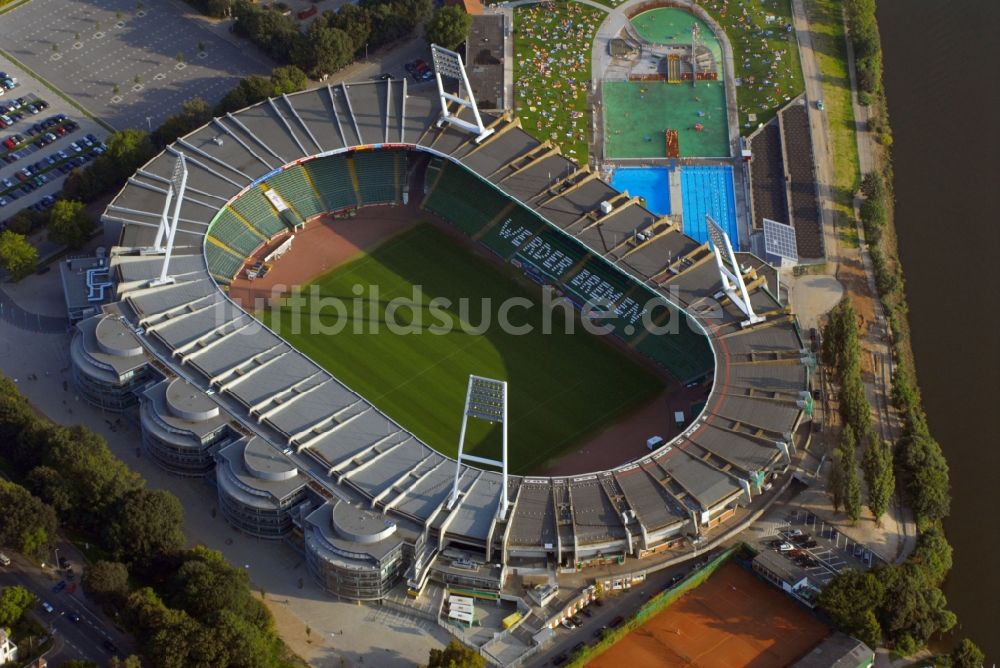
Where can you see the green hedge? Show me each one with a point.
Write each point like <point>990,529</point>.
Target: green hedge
<point>652,607</point>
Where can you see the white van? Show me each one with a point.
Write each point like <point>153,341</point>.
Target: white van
<point>653,442</point>
<point>4,559</point>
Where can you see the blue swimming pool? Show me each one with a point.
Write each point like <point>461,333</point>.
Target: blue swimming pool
<point>650,183</point>
<point>709,189</point>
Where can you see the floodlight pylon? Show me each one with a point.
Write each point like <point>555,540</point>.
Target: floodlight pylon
<point>449,64</point>
<point>729,271</point>
<point>485,399</point>
<point>168,226</point>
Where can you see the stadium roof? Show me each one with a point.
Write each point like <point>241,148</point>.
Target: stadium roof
<point>344,444</point>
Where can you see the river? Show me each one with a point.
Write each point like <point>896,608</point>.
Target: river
<point>942,67</point>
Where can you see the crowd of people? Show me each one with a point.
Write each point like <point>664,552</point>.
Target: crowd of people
<point>762,39</point>
<point>553,72</point>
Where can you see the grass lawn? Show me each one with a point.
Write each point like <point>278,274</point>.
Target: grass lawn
<point>562,387</point>
<point>829,45</point>
<point>637,114</point>
<point>552,49</point>
<point>766,83</point>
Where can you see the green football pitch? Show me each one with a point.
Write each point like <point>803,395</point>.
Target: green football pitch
<point>561,387</point>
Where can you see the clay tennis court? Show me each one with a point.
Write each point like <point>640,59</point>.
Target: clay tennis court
<point>733,619</point>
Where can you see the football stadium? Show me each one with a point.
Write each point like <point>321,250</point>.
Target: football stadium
<point>345,445</point>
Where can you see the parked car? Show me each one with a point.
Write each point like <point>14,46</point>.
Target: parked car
<point>47,608</point>
<point>567,624</point>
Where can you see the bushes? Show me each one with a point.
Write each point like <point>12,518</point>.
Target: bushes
<point>254,89</point>
<point>863,28</point>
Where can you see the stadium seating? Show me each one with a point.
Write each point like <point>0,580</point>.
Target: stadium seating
<point>222,263</point>
<point>794,123</point>
<point>294,187</point>
<point>255,208</point>
<point>511,227</point>
<point>378,176</point>
<point>464,199</point>
<point>231,231</point>
<point>333,182</point>
<point>768,177</point>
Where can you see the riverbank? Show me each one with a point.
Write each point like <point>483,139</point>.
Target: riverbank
<point>922,470</point>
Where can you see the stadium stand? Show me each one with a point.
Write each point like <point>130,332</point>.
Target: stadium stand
<point>294,187</point>
<point>223,264</point>
<point>767,176</point>
<point>234,233</point>
<point>462,198</point>
<point>794,124</point>
<point>255,208</point>
<point>378,176</point>
<point>333,182</point>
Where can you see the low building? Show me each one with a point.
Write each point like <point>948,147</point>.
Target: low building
<point>783,573</point>
<point>353,552</point>
<point>8,650</point>
<point>87,284</point>
<point>109,364</point>
<point>838,651</point>
<point>259,488</point>
<point>180,426</point>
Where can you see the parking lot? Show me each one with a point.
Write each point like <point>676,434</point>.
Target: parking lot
<point>87,48</point>
<point>818,548</point>
<point>34,160</point>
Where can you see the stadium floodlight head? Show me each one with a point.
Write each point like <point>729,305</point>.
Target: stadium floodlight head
<point>729,271</point>
<point>485,399</point>
<point>168,227</point>
<point>780,240</point>
<point>448,63</point>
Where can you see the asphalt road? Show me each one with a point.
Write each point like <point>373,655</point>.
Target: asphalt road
<point>622,604</point>
<point>73,640</point>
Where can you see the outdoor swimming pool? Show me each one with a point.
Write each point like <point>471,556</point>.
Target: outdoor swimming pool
<point>709,189</point>
<point>651,183</point>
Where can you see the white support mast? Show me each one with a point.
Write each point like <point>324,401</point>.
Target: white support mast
<point>168,227</point>
<point>485,399</point>
<point>729,271</point>
<point>448,63</point>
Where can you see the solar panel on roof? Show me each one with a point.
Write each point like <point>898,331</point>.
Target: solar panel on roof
<point>779,239</point>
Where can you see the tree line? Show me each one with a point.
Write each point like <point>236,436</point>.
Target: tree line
<point>842,353</point>
<point>185,606</point>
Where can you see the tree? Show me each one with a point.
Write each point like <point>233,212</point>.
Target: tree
<point>131,661</point>
<point>879,476</point>
<point>13,602</point>
<point>850,599</point>
<point>455,655</point>
<point>107,583</point>
<point>26,524</point>
<point>288,79</point>
<point>143,525</point>
<point>932,556</point>
<point>137,79</point>
<point>205,585</point>
<point>194,113</point>
<point>179,57</point>
<point>77,663</point>
<point>448,26</point>
<point>17,257</point>
<point>967,655</point>
<point>69,224</point>
<point>849,471</point>
<point>116,89</point>
<point>835,481</point>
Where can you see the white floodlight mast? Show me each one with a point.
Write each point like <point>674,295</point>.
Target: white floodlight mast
<point>450,64</point>
<point>178,183</point>
<point>497,390</point>
<point>731,279</point>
